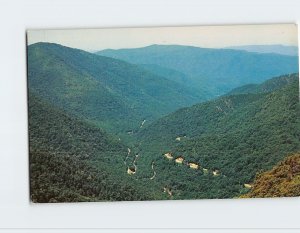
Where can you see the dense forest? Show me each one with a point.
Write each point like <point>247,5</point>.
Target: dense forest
<point>110,93</point>
<point>281,181</point>
<point>236,135</point>
<point>71,160</point>
<point>102,129</point>
<point>216,70</point>
<point>267,86</point>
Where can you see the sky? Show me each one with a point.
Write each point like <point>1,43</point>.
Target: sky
<point>200,36</point>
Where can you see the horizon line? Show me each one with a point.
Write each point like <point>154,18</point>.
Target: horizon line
<point>232,47</point>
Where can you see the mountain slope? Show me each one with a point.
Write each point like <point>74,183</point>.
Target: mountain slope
<point>217,70</point>
<point>267,86</point>
<point>111,93</point>
<point>281,181</point>
<point>71,160</point>
<point>170,74</point>
<point>279,49</point>
<point>238,135</point>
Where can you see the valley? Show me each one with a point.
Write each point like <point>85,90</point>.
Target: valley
<point>110,93</point>
<point>106,129</point>
<point>214,71</point>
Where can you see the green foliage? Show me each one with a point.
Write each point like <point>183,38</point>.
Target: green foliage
<point>85,112</point>
<point>213,70</point>
<point>170,74</point>
<point>281,181</point>
<point>268,86</point>
<point>102,90</point>
<point>239,135</point>
<point>71,160</point>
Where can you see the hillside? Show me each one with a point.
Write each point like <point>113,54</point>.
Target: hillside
<point>267,86</point>
<point>170,74</point>
<point>281,181</point>
<point>216,70</point>
<point>236,135</point>
<point>71,160</point>
<point>108,92</point>
<point>104,129</point>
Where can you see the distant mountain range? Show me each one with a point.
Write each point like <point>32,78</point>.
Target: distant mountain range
<point>100,127</point>
<point>217,70</point>
<point>278,49</point>
<point>103,90</point>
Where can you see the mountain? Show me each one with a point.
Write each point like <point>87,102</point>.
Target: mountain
<point>108,92</point>
<point>170,74</point>
<point>177,77</point>
<point>279,49</point>
<point>104,129</point>
<point>283,180</point>
<point>267,86</point>
<point>237,135</point>
<point>216,70</point>
<point>71,160</point>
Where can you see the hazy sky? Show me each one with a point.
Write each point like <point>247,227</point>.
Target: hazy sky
<point>201,36</point>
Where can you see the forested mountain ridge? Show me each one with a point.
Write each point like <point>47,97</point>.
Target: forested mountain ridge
<point>106,91</point>
<point>71,160</point>
<point>267,86</point>
<point>237,135</point>
<point>196,119</point>
<point>166,72</point>
<point>217,70</point>
<point>102,129</point>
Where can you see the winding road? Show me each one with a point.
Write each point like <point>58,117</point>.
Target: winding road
<point>129,151</point>
<point>134,162</point>
<point>142,124</point>
<point>154,172</point>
